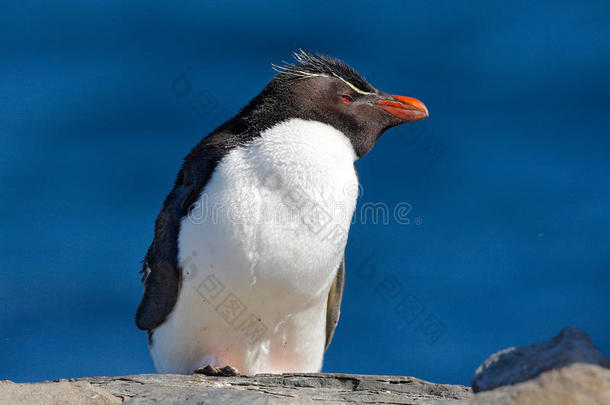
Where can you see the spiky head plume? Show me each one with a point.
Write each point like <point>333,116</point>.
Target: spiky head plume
<point>310,65</point>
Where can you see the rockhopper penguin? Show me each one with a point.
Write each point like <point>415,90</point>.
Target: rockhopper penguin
<point>246,268</point>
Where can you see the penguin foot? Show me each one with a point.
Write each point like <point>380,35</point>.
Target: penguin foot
<point>226,371</point>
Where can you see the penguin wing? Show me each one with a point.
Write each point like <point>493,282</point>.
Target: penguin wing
<point>334,303</point>
<point>162,273</point>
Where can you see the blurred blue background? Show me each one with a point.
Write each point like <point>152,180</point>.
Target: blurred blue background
<point>508,235</point>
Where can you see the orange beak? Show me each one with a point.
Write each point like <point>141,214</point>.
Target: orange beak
<point>403,108</point>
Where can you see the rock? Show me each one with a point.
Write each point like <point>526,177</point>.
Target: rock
<point>574,385</point>
<point>515,365</point>
<point>278,389</point>
<point>555,372</point>
<point>578,384</point>
<point>55,393</point>
<point>261,389</point>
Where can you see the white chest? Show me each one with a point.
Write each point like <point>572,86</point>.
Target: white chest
<point>278,211</point>
<point>259,252</point>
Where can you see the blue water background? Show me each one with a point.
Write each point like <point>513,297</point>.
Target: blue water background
<point>508,234</point>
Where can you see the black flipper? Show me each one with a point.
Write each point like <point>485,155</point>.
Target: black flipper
<point>162,283</point>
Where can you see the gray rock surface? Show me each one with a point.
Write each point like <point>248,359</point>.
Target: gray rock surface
<point>260,389</point>
<point>515,365</point>
<point>277,389</point>
<point>578,384</point>
<point>55,393</point>
<point>562,371</point>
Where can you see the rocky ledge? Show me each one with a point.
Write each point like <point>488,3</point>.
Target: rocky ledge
<point>567,369</point>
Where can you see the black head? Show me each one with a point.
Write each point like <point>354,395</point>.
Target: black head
<point>325,89</point>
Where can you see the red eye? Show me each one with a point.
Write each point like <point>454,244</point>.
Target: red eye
<point>346,99</point>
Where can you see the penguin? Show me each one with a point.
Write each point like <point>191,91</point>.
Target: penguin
<point>246,269</point>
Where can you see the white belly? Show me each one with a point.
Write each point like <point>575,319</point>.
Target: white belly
<point>259,253</point>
